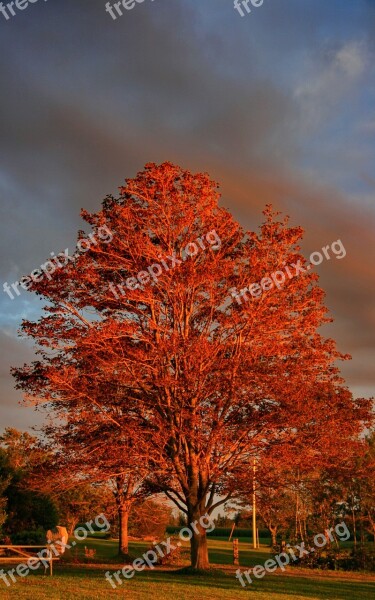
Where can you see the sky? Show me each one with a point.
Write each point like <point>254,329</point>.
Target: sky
<point>277,106</point>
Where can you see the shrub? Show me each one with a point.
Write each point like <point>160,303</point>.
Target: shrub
<point>343,560</point>
<point>34,538</point>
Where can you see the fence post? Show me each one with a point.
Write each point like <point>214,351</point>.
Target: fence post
<point>235,552</point>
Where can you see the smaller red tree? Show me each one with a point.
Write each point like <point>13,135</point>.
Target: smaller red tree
<point>298,480</point>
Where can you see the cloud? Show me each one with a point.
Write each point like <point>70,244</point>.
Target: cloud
<point>331,76</point>
<point>277,107</point>
<point>351,59</point>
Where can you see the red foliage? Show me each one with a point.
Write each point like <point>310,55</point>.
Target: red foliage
<point>199,383</point>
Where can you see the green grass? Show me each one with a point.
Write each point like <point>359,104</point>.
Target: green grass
<point>87,582</point>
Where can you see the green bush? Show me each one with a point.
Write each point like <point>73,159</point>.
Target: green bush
<point>34,538</point>
<point>340,560</point>
<point>361,560</point>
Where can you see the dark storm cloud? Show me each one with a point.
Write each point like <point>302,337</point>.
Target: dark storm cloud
<point>274,106</point>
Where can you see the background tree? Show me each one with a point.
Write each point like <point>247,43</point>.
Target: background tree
<point>223,520</point>
<point>299,480</point>
<point>367,486</point>
<point>275,506</point>
<point>26,509</point>
<point>22,449</point>
<point>82,503</point>
<point>3,501</point>
<point>150,519</point>
<point>85,473</point>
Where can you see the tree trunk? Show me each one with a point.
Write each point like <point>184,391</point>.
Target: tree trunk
<point>296,519</point>
<point>198,541</point>
<point>354,529</point>
<point>273,531</point>
<point>123,542</point>
<point>72,526</point>
<point>199,549</point>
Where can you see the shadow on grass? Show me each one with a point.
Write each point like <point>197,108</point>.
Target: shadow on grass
<point>276,585</point>
<point>180,581</point>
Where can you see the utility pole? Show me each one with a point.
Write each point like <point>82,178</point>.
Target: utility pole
<point>231,533</point>
<point>255,537</point>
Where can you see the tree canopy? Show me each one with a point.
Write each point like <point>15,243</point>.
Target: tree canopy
<point>142,338</point>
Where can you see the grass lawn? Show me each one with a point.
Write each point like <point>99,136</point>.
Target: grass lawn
<point>86,581</point>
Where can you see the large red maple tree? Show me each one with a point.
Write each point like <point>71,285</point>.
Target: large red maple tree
<point>207,381</point>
